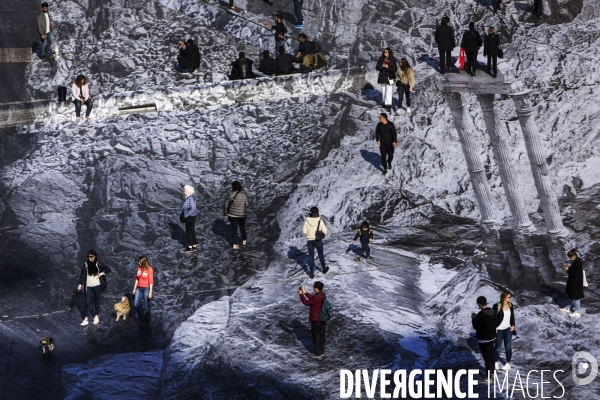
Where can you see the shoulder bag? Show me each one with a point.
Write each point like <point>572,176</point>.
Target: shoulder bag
<point>231,202</point>
<point>319,235</point>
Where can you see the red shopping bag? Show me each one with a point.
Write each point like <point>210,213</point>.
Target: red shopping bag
<point>460,63</point>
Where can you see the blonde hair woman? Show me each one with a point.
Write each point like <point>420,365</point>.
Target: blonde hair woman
<point>505,329</point>
<point>405,82</point>
<point>80,94</point>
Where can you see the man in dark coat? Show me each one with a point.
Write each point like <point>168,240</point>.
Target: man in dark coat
<point>444,37</point>
<point>471,42</point>
<point>574,289</point>
<point>317,327</point>
<point>267,66</point>
<point>386,137</point>
<point>189,56</point>
<point>485,323</point>
<point>491,49</point>
<point>538,8</point>
<point>285,63</point>
<point>305,48</point>
<point>241,68</point>
<point>280,31</point>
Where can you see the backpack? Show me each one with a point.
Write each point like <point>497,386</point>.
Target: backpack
<point>326,311</point>
<point>316,46</point>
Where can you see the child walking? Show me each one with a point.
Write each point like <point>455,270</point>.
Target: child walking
<point>366,236</point>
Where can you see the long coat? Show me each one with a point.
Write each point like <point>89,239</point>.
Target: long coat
<point>491,45</point>
<point>575,280</point>
<point>444,37</point>
<point>471,41</point>
<point>385,74</point>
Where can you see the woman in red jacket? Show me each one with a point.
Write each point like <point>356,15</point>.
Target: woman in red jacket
<point>142,289</point>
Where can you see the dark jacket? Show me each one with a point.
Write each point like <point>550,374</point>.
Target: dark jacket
<point>471,41</point>
<point>485,324</point>
<point>242,69</point>
<point>364,236</point>
<point>491,45</point>
<point>444,37</point>
<point>306,48</point>
<point>386,73</point>
<point>280,27</point>
<point>284,64</point>
<point>239,204</point>
<point>386,133</point>
<point>189,56</point>
<point>500,315</point>
<point>575,280</point>
<point>41,23</point>
<point>315,301</point>
<point>83,274</point>
<point>189,207</point>
<point>268,66</point>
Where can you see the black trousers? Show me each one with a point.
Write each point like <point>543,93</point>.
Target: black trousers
<point>487,352</point>
<point>387,155</point>
<point>471,62</point>
<point>235,222</point>
<point>496,5</point>
<point>366,250</point>
<point>317,331</point>
<point>538,7</point>
<point>445,60</point>
<point>492,65</point>
<point>403,90</point>
<point>190,231</point>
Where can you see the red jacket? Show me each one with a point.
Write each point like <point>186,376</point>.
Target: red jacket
<point>315,301</point>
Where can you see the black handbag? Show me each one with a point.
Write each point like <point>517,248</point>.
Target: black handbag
<point>103,283</point>
<point>181,218</point>
<point>500,52</point>
<point>319,235</point>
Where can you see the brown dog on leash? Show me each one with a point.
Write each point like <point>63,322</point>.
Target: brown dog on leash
<point>122,309</point>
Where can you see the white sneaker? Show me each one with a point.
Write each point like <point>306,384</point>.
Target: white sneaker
<point>236,247</point>
<point>497,365</point>
<point>408,110</point>
<point>96,320</point>
<point>506,367</point>
<point>84,322</point>
<point>575,314</point>
<point>566,309</point>
<point>398,112</point>
<point>244,242</point>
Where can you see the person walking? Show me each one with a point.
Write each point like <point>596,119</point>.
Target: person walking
<point>444,37</point>
<point>365,234</point>
<point>317,327</point>
<point>471,42</point>
<point>90,282</point>
<point>142,290</point>
<point>496,4</point>
<point>80,94</point>
<point>280,31</point>
<point>298,11</point>
<point>315,230</point>
<point>505,330</point>
<point>484,323</point>
<point>386,65</point>
<point>236,205</point>
<point>386,137</point>
<point>491,49</point>
<point>45,27</point>
<point>574,289</point>
<point>405,82</point>
<point>188,216</point>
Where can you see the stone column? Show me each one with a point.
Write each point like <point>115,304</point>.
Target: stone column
<point>474,165</point>
<point>510,182</point>
<point>537,158</point>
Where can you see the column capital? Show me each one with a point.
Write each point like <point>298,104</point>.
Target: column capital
<point>522,102</point>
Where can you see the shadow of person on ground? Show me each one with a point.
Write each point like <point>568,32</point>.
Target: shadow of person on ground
<point>373,158</point>
<point>178,234</point>
<point>222,228</point>
<point>300,257</point>
<point>301,331</point>
<point>352,247</point>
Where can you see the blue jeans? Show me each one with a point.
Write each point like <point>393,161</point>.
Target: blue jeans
<point>298,11</point>
<point>88,298</point>
<point>278,44</point>
<point>143,310</point>
<point>88,107</point>
<point>506,336</point>
<point>575,305</point>
<point>259,74</point>
<point>311,244</point>
<point>46,45</point>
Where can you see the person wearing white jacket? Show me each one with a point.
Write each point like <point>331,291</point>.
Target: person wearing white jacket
<point>315,230</point>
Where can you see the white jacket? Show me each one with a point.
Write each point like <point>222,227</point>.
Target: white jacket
<point>75,92</point>
<point>310,227</point>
